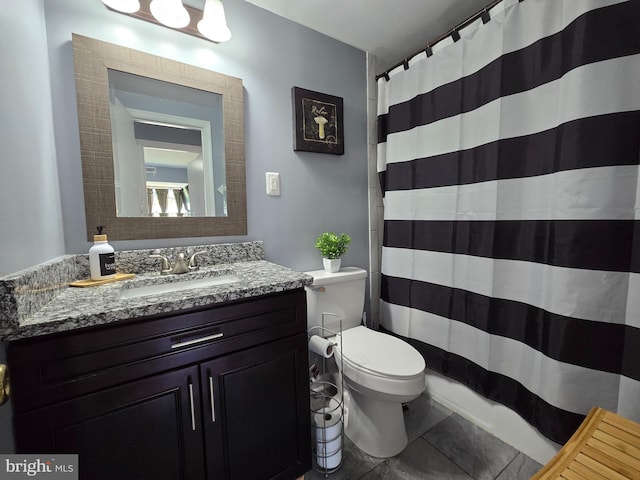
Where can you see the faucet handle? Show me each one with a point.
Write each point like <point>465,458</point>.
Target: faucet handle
<point>192,260</point>
<point>165,263</point>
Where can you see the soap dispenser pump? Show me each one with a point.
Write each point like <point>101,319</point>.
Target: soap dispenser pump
<point>102,258</point>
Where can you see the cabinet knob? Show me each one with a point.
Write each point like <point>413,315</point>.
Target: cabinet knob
<point>4,384</point>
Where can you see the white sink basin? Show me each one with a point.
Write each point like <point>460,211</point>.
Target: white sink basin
<point>177,285</point>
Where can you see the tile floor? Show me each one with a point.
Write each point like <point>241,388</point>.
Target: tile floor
<point>443,446</point>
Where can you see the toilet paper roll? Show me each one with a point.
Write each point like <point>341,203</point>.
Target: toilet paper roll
<point>331,429</point>
<point>330,461</point>
<point>326,449</point>
<point>327,424</point>
<point>321,346</point>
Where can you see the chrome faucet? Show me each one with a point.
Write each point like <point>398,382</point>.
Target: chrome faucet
<point>181,265</point>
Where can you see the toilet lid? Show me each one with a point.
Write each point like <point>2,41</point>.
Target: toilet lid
<point>379,353</point>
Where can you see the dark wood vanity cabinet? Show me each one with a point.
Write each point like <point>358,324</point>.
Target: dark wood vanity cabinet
<point>140,430</point>
<point>260,434</point>
<point>215,393</point>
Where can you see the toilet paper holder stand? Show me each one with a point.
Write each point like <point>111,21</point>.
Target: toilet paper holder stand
<point>326,403</point>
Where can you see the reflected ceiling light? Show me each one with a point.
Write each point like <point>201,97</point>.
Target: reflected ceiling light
<point>214,24</point>
<point>125,6</point>
<point>170,13</point>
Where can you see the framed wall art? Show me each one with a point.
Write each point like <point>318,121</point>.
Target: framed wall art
<point>317,122</point>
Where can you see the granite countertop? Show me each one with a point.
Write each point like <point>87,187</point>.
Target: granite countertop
<point>83,307</point>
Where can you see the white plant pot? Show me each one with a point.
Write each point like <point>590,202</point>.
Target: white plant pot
<point>331,266</point>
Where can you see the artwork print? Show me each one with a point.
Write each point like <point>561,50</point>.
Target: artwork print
<point>318,124</point>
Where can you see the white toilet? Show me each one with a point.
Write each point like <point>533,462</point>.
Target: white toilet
<point>380,372</point>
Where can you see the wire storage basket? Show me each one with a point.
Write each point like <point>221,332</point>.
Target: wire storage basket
<point>326,402</point>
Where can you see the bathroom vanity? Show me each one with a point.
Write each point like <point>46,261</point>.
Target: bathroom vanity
<point>197,384</point>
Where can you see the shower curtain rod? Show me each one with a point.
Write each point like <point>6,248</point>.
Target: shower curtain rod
<point>484,14</point>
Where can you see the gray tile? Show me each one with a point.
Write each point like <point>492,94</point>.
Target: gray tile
<point>422,414</point>
<point>521,468</point>
<point>355,463</point>
<point>477,452</point>
<point>418,461</point>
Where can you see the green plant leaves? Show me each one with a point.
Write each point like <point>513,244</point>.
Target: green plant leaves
<point>332,246</point>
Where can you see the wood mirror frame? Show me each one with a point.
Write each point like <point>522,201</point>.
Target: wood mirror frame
<point>92,59</point>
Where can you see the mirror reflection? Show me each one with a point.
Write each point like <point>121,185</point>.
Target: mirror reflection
<point>174,166</point>
<point>168,148</point>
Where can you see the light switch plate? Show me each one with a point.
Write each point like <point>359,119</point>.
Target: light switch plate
<point>273,183</point>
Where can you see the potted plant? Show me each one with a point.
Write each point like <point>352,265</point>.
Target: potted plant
<point>332,247</point>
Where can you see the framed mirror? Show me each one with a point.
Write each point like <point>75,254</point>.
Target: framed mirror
<point>162,145</point>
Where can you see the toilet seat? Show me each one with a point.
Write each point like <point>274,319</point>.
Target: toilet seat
<point>379,362</point>
<point>380,354</point>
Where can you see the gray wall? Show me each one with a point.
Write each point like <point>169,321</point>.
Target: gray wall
<point>30,214</point>
<point>42,213</point>
<point>271,55</point>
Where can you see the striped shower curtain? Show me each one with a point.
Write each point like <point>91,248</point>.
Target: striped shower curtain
<point>509,161</point>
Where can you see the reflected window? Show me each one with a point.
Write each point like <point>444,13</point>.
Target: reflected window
<point>169,202</point>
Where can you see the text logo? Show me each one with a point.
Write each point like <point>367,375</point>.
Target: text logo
<point>49,467</point>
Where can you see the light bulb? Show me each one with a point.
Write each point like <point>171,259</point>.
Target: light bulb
<point>214,24</point>
<point>170,13</point>
<point>124,6</point>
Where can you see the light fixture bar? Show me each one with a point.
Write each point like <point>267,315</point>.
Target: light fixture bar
<point>192,29</point>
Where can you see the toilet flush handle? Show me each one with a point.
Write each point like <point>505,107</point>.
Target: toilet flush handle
<point>318,289</point>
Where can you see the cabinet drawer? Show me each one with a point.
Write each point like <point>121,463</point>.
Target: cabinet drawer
<point>57,367</point>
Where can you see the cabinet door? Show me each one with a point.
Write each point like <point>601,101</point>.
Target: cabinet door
<point>147,429</point>
<point>256,412</point>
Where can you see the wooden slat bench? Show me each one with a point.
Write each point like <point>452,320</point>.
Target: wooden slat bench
<point>606,446</point>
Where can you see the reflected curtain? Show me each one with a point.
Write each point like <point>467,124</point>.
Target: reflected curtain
<point>149,201</point>
<point>177,194</point>
<point>163,195</point>
<point>509,165</point>
<point>186,199</point>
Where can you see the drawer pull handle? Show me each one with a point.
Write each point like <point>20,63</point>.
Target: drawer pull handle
<point>213,407</point>
<point>196,340</point>
<point>193,412</point>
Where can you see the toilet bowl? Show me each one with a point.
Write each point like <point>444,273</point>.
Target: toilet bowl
<point>380,372</point>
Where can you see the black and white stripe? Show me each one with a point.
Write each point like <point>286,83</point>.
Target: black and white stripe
<point>509,164</point>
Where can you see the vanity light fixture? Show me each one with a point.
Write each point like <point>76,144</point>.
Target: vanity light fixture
<point>208,23</point>
<point>170,13</point>
<point>124,6</point>
<point>214,24</point>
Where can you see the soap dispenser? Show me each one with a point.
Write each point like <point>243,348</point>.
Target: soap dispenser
<point>102,259</point>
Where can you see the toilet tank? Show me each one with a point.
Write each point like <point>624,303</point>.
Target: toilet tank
<point>341,293</point>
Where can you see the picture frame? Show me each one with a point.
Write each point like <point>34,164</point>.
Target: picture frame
<point>318,124</point>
